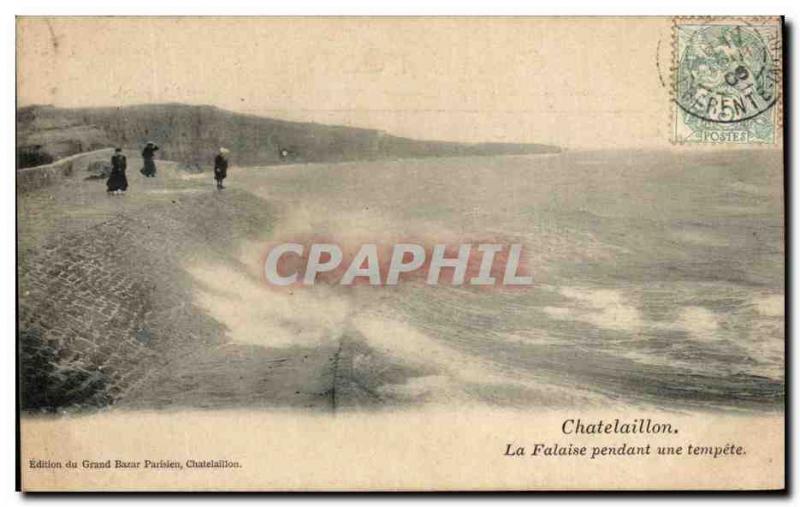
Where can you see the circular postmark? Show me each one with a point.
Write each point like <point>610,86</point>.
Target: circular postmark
<point>725,74</point>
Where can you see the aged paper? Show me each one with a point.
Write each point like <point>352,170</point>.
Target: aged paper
<point>400,254</point>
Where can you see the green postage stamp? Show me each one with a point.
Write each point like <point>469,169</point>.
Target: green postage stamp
<point>727,80</point>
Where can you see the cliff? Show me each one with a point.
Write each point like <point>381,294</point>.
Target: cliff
<point>192,134</point>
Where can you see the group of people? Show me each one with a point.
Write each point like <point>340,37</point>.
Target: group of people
<point>117,182</point>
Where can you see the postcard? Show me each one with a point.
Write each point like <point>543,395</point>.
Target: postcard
<point>400,253</point>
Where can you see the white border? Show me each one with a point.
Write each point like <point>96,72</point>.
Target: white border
<point>309,7</point>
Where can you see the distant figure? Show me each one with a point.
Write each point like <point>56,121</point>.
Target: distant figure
<point>148,153</point>
<point>221,167</point>
<point>117,181</point>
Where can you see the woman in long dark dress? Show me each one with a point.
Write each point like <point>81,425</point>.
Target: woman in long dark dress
<point>148,153</point>
<point>117,181</point>
<point>221,167</point>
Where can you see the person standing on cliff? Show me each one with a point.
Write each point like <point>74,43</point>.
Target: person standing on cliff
<point>149,151</point>
<point>221,167</point>
<point>117,181</point>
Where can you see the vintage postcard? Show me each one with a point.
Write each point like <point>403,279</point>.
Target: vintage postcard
<point>400,253</point>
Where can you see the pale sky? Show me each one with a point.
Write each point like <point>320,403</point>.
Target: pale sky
<point>590,82</point>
